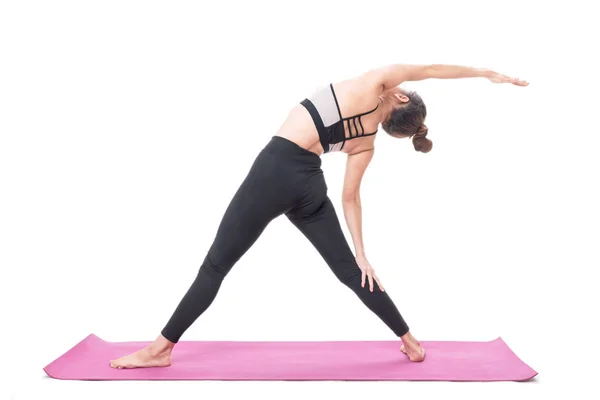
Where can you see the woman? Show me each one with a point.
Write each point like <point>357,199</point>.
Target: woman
<point>286,178</point>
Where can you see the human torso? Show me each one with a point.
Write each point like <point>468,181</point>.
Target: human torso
<point>334,118</point>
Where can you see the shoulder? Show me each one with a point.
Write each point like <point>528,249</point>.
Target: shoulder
<point>358,93</point>
<point>369,82</point>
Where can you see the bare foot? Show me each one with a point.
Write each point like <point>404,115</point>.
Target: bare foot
<point>157,354</point>
<point>412,348</point>
<point>419,356</point>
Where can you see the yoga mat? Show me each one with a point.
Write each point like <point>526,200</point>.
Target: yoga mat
<point>326,360</point>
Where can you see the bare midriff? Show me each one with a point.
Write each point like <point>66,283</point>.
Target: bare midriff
<point>300,129</point>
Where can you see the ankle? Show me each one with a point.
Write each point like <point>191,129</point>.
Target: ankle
<point>409,341</point>
<point>157,351</point>
<point>160,346</point>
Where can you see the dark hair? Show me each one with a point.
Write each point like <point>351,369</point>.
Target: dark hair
<point>408,120</point>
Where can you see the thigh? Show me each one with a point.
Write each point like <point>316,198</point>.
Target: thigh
<point>245,218</point>
<point>323,229</point>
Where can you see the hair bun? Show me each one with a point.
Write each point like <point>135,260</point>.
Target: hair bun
<point>420,142</point>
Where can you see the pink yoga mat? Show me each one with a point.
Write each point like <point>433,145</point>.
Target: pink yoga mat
<point>332,360</point>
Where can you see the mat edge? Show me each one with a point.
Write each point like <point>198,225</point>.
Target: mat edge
<point>535,373</point>
<point>48,368</point>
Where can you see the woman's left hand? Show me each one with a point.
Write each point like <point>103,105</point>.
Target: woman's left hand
<point>496,77</point>
<point>368,272</point>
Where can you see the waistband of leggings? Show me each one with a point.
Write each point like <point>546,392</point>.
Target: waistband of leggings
<point>282,146</point>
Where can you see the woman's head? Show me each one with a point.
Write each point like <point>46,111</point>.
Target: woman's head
<point>407,118</point>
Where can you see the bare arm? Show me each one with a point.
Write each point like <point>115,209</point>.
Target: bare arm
<point>390,76</point>
<point>355,169</point>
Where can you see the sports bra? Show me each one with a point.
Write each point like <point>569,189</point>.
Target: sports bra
<point>325,112</point>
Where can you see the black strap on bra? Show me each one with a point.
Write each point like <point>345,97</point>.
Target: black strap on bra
<point>316,117</point>
<point>346,121</point>
<point>351,121</point>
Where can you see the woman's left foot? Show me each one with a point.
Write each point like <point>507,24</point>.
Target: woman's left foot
<point>144,358</point>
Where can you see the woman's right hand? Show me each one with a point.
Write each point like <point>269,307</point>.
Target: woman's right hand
<point>368,272</point>
<point>496,77</point>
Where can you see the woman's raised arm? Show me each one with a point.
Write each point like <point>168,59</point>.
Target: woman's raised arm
<point>390,76</point>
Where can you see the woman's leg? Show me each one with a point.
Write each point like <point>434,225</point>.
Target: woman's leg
<point>247,215</point>
<point>258,201</point>
<point>322,228</point>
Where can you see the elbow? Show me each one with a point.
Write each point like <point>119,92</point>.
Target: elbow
<point>350,197</point>
<point>429,71</point>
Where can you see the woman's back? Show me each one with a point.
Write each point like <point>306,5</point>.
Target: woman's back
<point>350,126</point>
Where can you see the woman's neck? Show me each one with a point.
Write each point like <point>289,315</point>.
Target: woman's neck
<point>385,107</point>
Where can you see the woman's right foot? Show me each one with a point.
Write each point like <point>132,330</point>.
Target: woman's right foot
<point>412,348</point>
<point>157,354</point>
<point>417,356</point>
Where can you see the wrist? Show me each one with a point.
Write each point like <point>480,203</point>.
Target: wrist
<point>486,73</point>
<point>361,254</point>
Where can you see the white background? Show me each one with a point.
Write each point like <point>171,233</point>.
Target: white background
<point>127,126</point>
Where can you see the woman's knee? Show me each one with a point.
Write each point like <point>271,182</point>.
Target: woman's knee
<point>212,270</point>
<point>350,275</point>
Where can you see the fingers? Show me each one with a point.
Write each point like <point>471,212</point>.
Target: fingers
<point>378,283</point>
<point>518,82</point>
<point>367,272</point>
<point>370,274</point>
<point>362,282</point>
<point>501,78</point>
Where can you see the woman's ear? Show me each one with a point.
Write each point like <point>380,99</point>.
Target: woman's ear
<point>401,98</point>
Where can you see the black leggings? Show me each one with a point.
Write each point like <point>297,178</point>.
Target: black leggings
<point>283,179</point>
